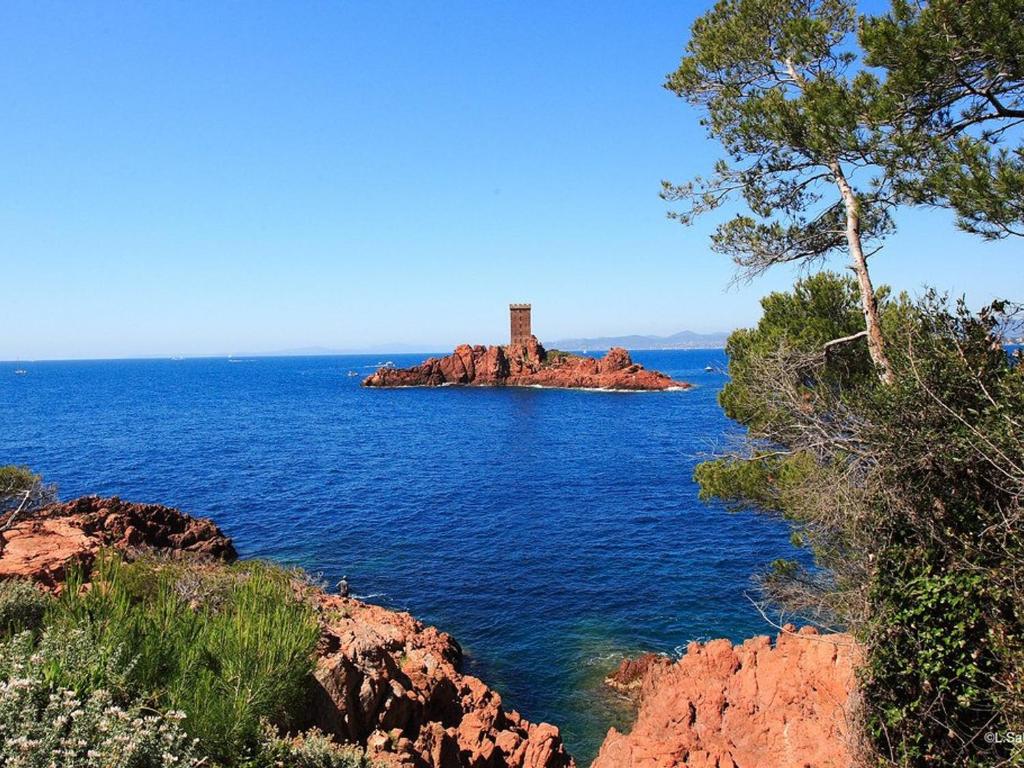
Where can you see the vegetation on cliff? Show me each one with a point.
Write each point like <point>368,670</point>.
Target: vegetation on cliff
<point>889,431</point>
<point>910,497</point>
<point>161,663</point>
<point>242,666</point>
<point>21,492</point>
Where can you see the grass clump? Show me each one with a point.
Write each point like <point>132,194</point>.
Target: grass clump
<point>557,356</point>
<point>230,647</point>
<point>312,749</point>
<point>22,607</point>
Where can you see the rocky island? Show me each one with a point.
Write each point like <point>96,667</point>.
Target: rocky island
<point>525,363</point>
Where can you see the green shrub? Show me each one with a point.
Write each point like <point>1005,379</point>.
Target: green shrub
<point>42,726</point>
<point>77,659</point>
<point>229,646</point>
<point>910,495</point>
<point>311,749</point>
<point>22,492</point>
<point>557,356</point>
<point>935,657</point>
<point>22,607</point>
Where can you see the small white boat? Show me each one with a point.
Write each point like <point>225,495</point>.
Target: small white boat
<point>353,373</point>
<point>708,369</point>
<point>20,372</point>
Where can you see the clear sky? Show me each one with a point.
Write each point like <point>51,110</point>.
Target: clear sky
<point>213,178</point>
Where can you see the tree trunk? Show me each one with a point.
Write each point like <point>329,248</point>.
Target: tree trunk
<point>868,302</point>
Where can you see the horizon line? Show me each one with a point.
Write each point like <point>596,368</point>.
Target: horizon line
<point>271,355</point>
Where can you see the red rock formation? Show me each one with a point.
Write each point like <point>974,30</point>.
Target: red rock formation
<point>753,705</point>
<point>387,681</point>
<point>629,678</point>
<point>43,545</point>
<point>525,365</point>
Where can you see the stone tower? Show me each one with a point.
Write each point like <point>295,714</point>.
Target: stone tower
<point>520,316</point>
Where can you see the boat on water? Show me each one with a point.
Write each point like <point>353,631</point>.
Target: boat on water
<point>708,368</point>
<point>353,373</point>
<point>20,372</point>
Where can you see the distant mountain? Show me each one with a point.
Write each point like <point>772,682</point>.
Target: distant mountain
<point>1013,331</point>
<point>681,340</point>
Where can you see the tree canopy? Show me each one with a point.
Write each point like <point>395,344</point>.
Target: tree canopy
<point>781,92</point>
<point>899,463</point>
<point>954,90</point>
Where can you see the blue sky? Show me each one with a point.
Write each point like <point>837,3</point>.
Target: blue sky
<point>209,178</point>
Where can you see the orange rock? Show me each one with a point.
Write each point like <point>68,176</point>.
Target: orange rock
<point>388,671</point>
<point>525,365</point>
<point>750,705</point>
<point>629,677</point>
<point>42,546</point>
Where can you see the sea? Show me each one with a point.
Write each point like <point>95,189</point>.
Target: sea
<point>551,532</point>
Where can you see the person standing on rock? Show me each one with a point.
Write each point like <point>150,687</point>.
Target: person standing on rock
<point>343,586</point>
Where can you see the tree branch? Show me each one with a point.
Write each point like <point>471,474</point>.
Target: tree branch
<point>852,337</point>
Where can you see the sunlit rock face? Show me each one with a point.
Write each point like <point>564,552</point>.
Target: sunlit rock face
<point>732,706</point>
<point>45,544</point>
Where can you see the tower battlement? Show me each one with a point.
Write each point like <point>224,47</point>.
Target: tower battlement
<point>519,314</point>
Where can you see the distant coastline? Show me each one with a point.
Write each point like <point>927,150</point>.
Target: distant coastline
<point>640,342</point>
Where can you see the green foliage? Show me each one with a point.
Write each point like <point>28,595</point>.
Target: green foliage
<point>14,479</point>
<point>818,309</point>
<point>777,83</point>
<point>159,664</point>
<point>929,674</point>
<point>228,646</point>
<point>946,632</point>
<point>22,607</point>
<point>909,494</point>
<point>42,726</point>
<point>556,356</point>
<point>309,750</point>
<point>954,95</point>
<point>21,489</point>
<point>762,481</point>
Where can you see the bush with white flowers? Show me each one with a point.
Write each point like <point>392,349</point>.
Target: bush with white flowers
<point>44,726</point>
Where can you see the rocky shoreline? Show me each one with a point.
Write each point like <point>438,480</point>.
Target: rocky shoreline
<point>383,680</point>
<point>527,365</point>
<point>393,685</point>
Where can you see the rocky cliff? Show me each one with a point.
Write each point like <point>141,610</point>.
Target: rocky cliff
<point>387,681</point>
<point>42,546</point>
<point>754,705</point>
<point>526,365</point>
<point>383,680</point>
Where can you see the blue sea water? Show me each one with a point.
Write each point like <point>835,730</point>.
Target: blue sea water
<point>551,532</point>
